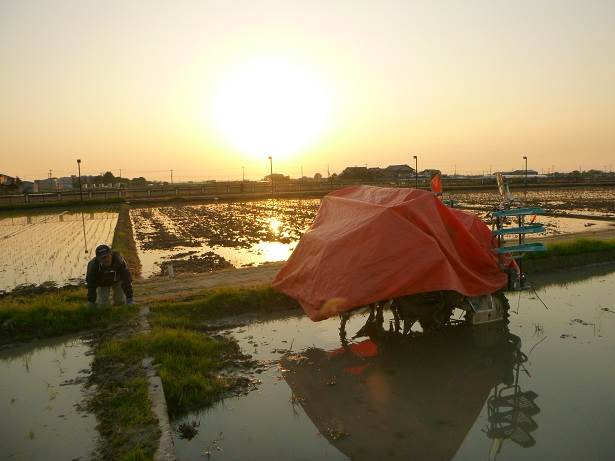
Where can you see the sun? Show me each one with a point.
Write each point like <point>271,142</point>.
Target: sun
<point>271,107</point>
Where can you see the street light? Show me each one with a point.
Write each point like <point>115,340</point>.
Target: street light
<point>79,170</point>
<point>271,172</point>
<point>525,179</point>
<point>416,171</point>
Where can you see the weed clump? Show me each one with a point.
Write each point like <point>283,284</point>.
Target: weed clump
<point>189,363</point>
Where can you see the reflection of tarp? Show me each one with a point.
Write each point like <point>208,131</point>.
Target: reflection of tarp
<point>414,400</point>
<point>368,244</point>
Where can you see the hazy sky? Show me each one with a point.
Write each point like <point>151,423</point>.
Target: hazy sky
<point>207,87</point>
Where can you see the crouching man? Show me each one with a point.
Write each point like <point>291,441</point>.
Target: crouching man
<point>108,271</point>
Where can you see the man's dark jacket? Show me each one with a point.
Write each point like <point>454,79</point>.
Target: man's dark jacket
<point>100,276</point>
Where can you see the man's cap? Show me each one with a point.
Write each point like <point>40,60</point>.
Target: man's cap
<point>102,250</point>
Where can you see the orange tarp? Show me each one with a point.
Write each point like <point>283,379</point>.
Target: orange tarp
<point>370,244</point>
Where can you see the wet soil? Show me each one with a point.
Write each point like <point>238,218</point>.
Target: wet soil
<point>582,200</point>
<point>194,264</point>
<point>236,224</point>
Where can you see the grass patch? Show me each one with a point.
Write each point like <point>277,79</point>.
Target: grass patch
<point>126,423</point>
<point>124,242</point>
<point>54,314</point>
<point>567,254</point>
<point>218,303</point>
<point>188,362</point>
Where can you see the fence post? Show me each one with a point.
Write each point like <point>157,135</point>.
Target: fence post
<point>26,197</point>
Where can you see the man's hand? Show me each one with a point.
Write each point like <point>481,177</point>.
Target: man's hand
<point>91,304</point>
<point>130,301</point>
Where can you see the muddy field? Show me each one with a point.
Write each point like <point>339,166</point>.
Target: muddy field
<point>598,201</point>
<point>200,238</point>
<point>206,237</point>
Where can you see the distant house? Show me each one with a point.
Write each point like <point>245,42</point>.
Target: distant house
<point>429,172</point>
<point>25,187</point>
<point>6,180</point>
<point>355,173</point>
<point>399,172</point>
<point>45,185</point>
<point>65,182</point>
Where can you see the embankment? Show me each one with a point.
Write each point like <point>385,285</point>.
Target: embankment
<point>570,253</point>
<point>124,242</point>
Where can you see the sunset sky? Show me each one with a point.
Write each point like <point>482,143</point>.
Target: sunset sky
<point>206,87</point>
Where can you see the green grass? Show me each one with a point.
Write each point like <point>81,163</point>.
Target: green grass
<point>194,311</point>
<point>126,423</point>
<point>579,252</point>
<point>53,314</point>
<point>188,363</point>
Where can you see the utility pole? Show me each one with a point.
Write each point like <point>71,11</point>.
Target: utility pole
<point>416,171</point>
<point>328,174</point>
<point>80,186</point>
<point>525,178</point>
<point>302,172</point>
<point>50,171</point>
<point>171,176</point>
<point>243,174</point>
<point>120,173</point>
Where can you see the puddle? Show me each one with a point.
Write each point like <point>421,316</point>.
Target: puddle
<point>39,391</point>
<point>51,247</point>
<point>539,389</point>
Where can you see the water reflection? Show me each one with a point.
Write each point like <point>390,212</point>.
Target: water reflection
<point>417,397</point>
<point>41,404</point>
<point>275,225</point>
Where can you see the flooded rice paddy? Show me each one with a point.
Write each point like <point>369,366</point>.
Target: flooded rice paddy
<point>540,389</point>
<point>40,392</point>
<point>55,247</point>
<point>205,237</point>
<point>40,248</point>
<point>597,201</point>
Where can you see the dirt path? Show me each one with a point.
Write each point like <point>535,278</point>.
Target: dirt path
<point>159,288</point>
